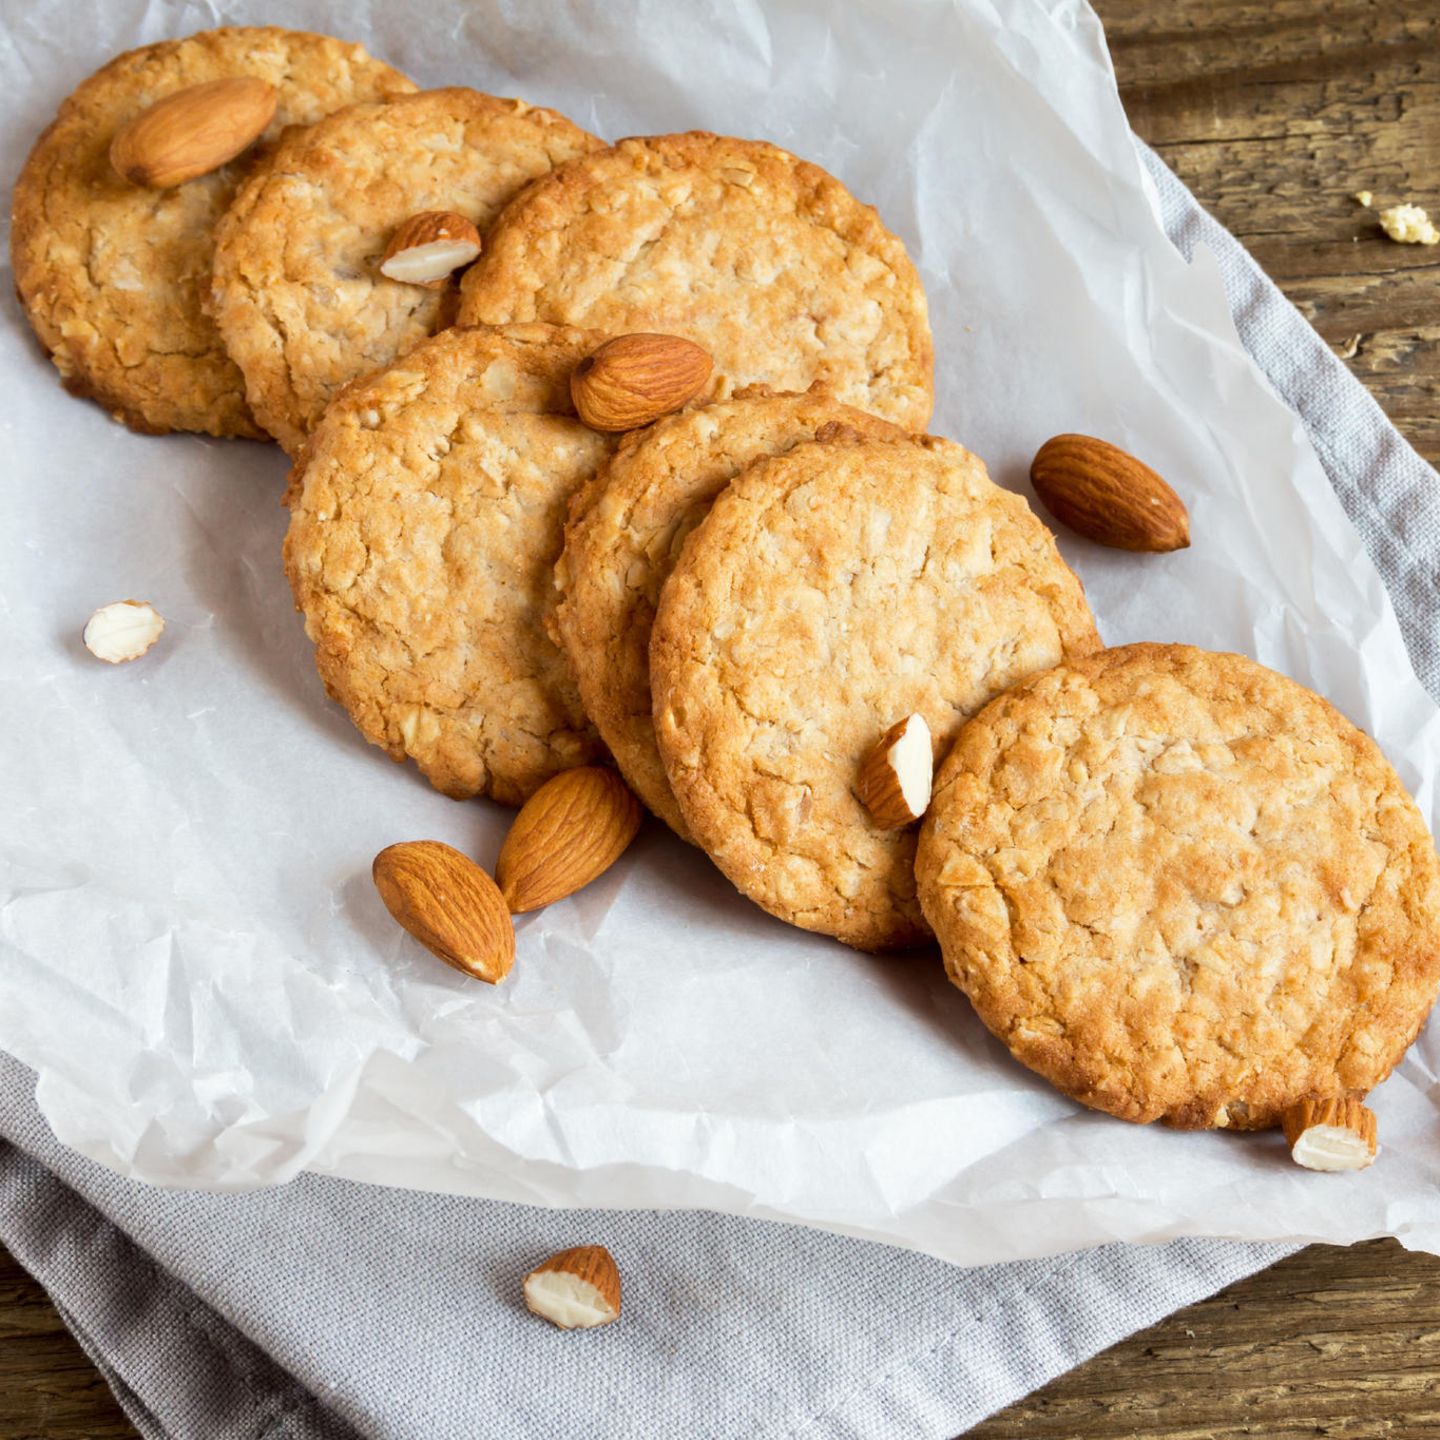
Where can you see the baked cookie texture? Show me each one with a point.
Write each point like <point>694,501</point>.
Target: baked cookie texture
<point>764,259</point>
<point>426,517</point>
<point>112,275</point>
<point>625,532</point>
<point>297,291</point>
<point>1182,887</point>
<point>831,591</point>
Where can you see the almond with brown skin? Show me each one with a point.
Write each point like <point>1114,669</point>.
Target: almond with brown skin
<point>1330,1134</point>
<point>568,833</point>
<point>449,904</point>
<point>1108,496</point>
<point>576,1289</point>
<point>894,783</point>
<point>193,131</point>
<point>429,247</point>
<point>633,380</point>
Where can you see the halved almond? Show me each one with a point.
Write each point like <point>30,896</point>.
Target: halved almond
<point>576,1289</point>
<point>568,833</point>
<point>895,779</point>
<point>1330,1134</point>
<point>429,247</point>
<point>124,630</point>
<point>449,904</point>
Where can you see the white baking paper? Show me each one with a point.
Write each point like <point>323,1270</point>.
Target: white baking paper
<point>195,960</point>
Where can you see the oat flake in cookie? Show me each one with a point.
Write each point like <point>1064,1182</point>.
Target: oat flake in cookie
<point>625,533</point>
<point>831,591</point>
<point>297,291</point>
<point>765,260</point>
<point>426,518</point>
<point>112,274</point>
<point>1180,886</point>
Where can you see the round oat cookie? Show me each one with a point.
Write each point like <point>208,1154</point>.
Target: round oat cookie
<point>297,290</point>
<point>1182,887</point>
<point>426,518</point>
<point>765,260</point>
<point>112,274</point>
<point>625,532</point>
<point>830,592</point>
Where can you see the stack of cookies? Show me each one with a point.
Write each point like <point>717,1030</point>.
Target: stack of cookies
<point>1174,883</point>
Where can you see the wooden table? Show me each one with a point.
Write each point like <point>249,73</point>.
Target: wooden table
<point>1273,112</point>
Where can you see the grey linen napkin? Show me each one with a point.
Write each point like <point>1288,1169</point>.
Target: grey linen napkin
<point>330,1309</point>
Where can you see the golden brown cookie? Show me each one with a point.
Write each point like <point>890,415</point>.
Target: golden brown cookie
<point>830,592</point>
<point>765,260</point>
<point>426,517</point>
<point>625,532</point>
<point>112,274</point>
<point>1183,887</point>
<point>297,290</point>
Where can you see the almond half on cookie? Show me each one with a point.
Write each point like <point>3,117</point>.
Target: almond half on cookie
<point>895,779</point>
<point>429,247</point>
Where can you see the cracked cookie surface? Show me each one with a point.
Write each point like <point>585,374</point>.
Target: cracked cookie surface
<point>764,259</point>
<point>1181,886</point>
<point>297,291</point>
<point>624,535</point>
<point>426,517</point>
<point>829,592</point>
<point>112,275</point>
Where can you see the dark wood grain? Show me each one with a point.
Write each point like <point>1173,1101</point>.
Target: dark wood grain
<point>48,1389</point>
<point>1331,1342</point>
<point>1273,112</point>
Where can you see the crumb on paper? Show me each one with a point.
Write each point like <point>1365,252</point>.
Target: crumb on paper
<point>1409,225</point>
<point>1365,198</point>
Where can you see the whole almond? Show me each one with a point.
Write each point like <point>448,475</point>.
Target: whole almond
<point>576,1289</point>
<point>428,247</point>
<point>449,904</point>
<point>633,380</point>
<point>1108,496</point>
<point>569,832</point>
<point>193,131</point>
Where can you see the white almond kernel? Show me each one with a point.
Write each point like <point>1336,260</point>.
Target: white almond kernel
<point>124,630</point>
